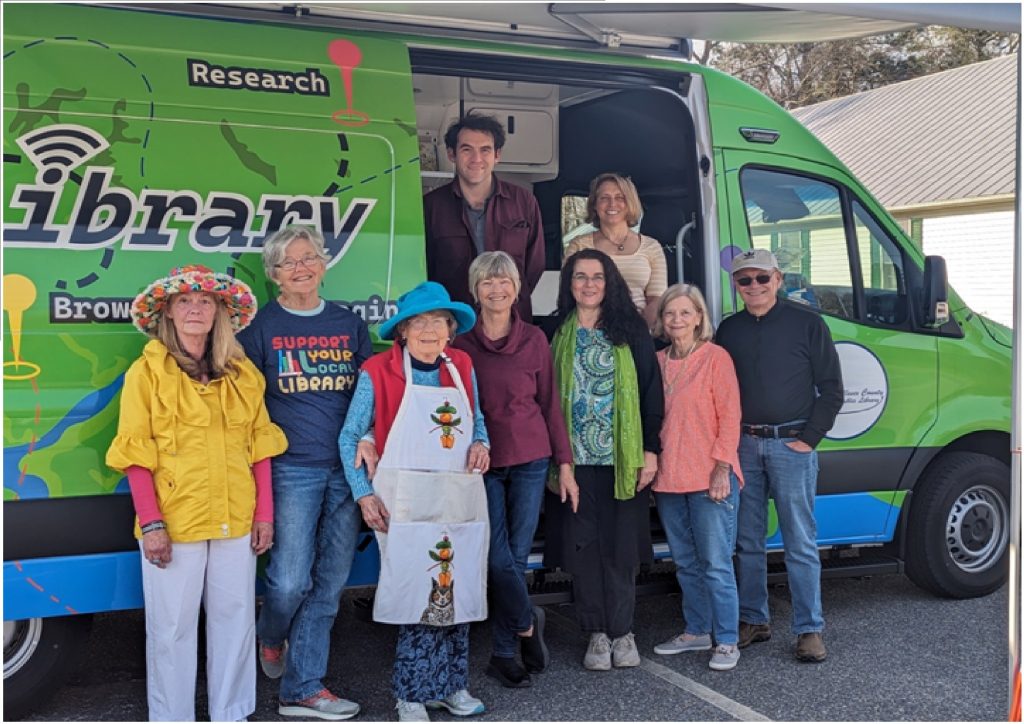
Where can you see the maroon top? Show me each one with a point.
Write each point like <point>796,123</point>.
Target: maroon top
<point>516,379</point>
<point>512,224</point>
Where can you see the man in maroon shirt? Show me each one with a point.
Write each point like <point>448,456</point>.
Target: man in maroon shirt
<point>479,212</point>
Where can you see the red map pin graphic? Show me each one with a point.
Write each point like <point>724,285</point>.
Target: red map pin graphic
<point>347,55</point>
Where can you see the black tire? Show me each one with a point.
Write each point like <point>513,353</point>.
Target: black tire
<point>959,526</point>
<point>38,655</point>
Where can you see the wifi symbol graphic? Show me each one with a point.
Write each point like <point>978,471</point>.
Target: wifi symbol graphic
<point>58,149</point>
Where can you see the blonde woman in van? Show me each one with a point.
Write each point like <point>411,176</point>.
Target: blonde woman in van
<point>613,206</point>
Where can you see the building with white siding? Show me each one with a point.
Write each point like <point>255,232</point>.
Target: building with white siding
<point>939,153</point>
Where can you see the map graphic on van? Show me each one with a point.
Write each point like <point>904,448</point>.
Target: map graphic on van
<point>117,168</point>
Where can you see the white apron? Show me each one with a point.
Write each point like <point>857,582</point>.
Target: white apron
<point>433,559</point>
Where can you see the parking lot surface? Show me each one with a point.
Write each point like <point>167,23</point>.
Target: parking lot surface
<point>895,653</point>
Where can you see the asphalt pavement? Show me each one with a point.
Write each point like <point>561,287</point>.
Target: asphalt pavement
<point>895,653</point>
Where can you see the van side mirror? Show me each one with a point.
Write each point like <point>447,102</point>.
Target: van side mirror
<point>936,292</point>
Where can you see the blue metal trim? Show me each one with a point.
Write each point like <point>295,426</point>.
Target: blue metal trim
<point>46,587</point>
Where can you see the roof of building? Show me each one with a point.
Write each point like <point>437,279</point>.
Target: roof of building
<point>943,137</point>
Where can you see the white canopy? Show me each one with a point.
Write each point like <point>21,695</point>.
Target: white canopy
<point>662,24</point>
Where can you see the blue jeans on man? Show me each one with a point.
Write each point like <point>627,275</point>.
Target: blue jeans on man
<point>514,496</point>
<point>771,469</point>
<point>316,523</point>
<point>701,536</point>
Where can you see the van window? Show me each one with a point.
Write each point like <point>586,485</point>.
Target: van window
<point>801,220</point>
<point>885,288</point>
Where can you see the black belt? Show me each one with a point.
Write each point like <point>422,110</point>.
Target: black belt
<point>772,430</point>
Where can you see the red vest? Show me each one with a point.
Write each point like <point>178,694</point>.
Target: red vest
<point>387,373</point>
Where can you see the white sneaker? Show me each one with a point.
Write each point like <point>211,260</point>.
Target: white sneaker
<point>599,653</point>
<point>461,703</point>
<point>412,711</point>
<point>624,653</point>
<point>684,642</point>
<point>725,657</point>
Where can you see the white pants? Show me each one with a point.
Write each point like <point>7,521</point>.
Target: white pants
<point>222,575</point>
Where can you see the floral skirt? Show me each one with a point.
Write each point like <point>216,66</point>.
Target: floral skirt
<point>431,662</point>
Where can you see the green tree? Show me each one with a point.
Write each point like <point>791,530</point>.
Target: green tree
<point>798,74</point>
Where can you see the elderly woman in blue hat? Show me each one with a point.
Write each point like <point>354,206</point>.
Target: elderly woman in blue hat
<point>427,503</point>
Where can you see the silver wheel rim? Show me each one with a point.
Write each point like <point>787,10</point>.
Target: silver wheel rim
<point>976,531</point>
<point>20,641</point>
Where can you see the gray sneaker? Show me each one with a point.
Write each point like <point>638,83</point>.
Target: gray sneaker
<point>412,711</point>
<point>322,705</point>
<point>599,653</point>
<point>461,703</point>
<point>272,659</point>
<point>725,657</point>
<point>624,652</point>
<point>684,642</point>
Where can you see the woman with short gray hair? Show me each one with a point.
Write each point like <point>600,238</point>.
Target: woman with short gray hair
<point>276,247</point>
<point>310,351</point>
<point>527,429</point>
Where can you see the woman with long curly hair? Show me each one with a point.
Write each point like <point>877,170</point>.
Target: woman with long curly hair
<point>610,388</point>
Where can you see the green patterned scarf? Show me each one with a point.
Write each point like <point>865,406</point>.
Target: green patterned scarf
<point>629,448</point>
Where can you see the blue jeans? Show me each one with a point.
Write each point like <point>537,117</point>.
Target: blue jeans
<point>514,495</point>
<point>315,527</point>
<point>772,469</point>
<point>701,536</point>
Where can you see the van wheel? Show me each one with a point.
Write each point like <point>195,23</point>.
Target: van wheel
<point>958,527</point>
<point>38,655</point>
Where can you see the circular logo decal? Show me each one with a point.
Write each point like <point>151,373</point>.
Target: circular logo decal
<point>865,391</point>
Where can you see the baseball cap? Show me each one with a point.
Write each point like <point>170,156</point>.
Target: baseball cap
<point>755,259</point>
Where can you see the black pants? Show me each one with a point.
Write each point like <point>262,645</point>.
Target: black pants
<point>604,536</point>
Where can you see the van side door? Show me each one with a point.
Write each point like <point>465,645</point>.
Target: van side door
<point>842,256</point>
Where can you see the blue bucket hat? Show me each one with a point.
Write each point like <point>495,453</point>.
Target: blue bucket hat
<point>428,297</point>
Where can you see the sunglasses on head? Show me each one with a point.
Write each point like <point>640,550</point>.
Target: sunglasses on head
<point>762,279</point>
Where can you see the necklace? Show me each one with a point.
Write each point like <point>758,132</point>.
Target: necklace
<point>620,245</point>
<point>671,385</point>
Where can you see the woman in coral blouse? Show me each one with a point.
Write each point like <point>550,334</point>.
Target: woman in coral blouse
<point>698,484</point>
<point>195,440</point>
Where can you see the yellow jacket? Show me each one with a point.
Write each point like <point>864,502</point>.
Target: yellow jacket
<point>198,440</point>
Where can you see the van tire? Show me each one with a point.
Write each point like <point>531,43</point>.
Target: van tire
<point>958,526</point>
<point>39,653</point>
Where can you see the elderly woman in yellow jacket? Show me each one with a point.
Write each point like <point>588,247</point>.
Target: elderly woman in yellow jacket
<point>195,441</point>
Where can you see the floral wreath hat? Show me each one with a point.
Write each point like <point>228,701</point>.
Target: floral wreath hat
<point>236,295</point>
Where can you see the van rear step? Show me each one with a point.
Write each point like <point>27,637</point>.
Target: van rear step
<point>659,579</point>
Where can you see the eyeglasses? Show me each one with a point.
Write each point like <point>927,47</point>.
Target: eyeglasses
<point>292,264</point>
<point>762,279</point>
<point>583,279</point>
<point>422,323</point>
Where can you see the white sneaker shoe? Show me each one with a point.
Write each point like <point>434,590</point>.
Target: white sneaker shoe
<point>725,657</point>
<point>412,711</point>
<point>684,642</point>
<point>599,653</point>
<point>461,703</point>
<point>624,653</point>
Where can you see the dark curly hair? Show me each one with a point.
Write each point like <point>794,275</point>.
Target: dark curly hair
<point>475,122</point>
<point>619,319</point>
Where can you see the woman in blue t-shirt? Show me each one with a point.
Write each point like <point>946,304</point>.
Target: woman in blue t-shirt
<point>310,350</point>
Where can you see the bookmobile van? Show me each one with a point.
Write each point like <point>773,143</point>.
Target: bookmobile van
<point>138,139</point>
